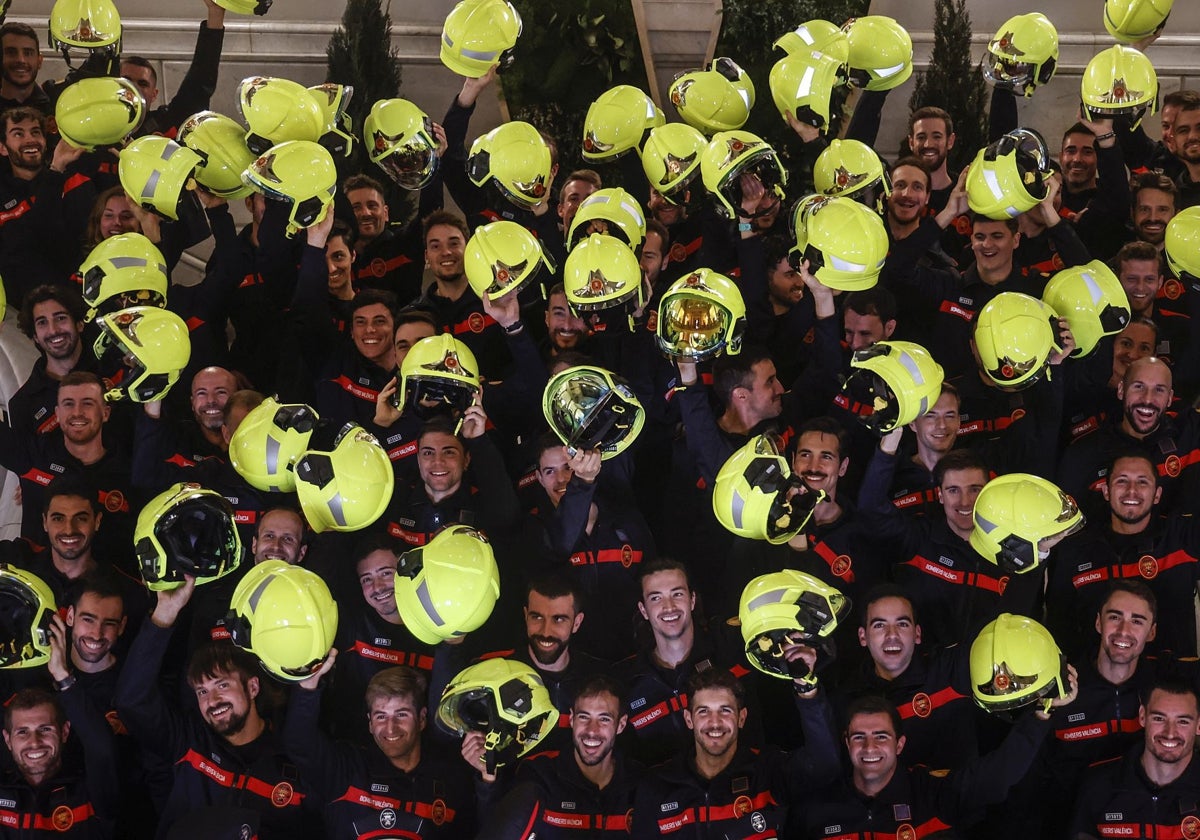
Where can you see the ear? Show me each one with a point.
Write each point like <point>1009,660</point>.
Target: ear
<point>742,717</point>
<point>422,720</point>
<point>917,635</point>
<point>950,141</point>
<point>862,637</point>
<point>70,616</point>
<point>1157,495</point>
<point>621,723</point>
<point>889,327</point>
<point>642,610</point>
<point>687,718</point>
<point>578,622</point>
<point>844,466</point>
<point>252,687</point>
<point>1104,491</point>
<point>7,740</point>
<point>1153,632</point>
<point>1141,719</point>
<point>1098,622</point>
<point>900,742</point>
<point>253,540</point>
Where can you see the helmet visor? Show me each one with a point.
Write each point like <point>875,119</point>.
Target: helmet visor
<point>24,625</point>
<point>199,538</point>
<point>412,164</point>
<point>430,396</point>
<point>693,328</point>
<point>1008,74</point>
<point>766,170</point>
<point>1007,691</point>
<point>591,415</point>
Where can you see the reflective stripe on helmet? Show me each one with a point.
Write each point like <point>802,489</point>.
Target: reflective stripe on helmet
<point>739,505</point>
<point>806,81</point>
<point>910,364</point>
<point>775,596</point>
<point>845,265</point>
<point>427,602</point>
<point>1093,288</point>
<point>335,508</point>
<point>983,524</point>
<point>151,185</point>
<point>889,71</point>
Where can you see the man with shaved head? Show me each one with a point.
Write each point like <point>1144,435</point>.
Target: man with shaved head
<point>1172,444</point>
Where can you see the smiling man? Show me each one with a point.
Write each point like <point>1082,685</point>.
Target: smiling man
<point>882,796</point>
<point>52,317</point>
<point>371,635</point>
<point>1151,791</point>
<point>396,782</point>
<point>559,794</point>
<point>930,687</point>
<point>717,786</point>
<point>225,756</point>
<point>361,367</point>
<point>1135,541</point>
<point>1142,426</point>
<point>385,257</point>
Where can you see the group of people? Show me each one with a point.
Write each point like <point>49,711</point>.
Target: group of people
<point>619,586</point>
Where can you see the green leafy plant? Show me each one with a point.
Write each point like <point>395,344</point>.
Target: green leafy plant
<point>568,54</point>
<point>749,28</point>
<point>954,82</point>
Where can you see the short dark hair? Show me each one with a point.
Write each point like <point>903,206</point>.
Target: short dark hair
<point>24,30</point>
<point>1136,588</point>
<point>362,182</point>
<point>1078,128</point>
<point>71,484</point>
<point>715,677</point>
<point>100,582</point>
<point>443,217</point>
<point>1142,320</point>
<point>440,424</point>
<point>81,377</point>
<point>66,296</point>
<point>21,114</point>
<point>370,297</point>
<point>931,112</point>
<point>655,226</point>
<point>979,219</point>
<point>1130,452</point>
<point>545,442</point>
<point>959,459</point>
<point>373,540</point>
<point>663,563</point>
<point>398,681</point>
<point>1168,684</point>
<point>215,658</point>
<point>885,590</point>
<point>916,163</point>
<point>730,372</point>
<point>776,247</point>
<point>1153,181</point>
<point>556,585</point>
<point>144,63</point>
<point>31,698</point>
<point>347,234</point>
<point>876,301</point>
<point>1136,250</point>
<point>873,704</point>
<point>826,425</point>
<point>601,684</point>
<point>588,176</point>
<point>414,315</point>
<point>1184,100</point>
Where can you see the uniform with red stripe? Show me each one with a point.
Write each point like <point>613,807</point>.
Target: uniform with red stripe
<point>933,696</point>
<point>1171,443</point>
<point>917,802</point>
<point>1165,556</point>
<point>365,797</point>
<point>552,800</point>
<point>39,459</point>
<point>749,798</point>
<point>208,770</point>
<point>600,536</point>
<point>76,801</point>
<point>658,696</point>
<point>368,645</point>
<point>953,589</point>
<point>1117,799</point>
